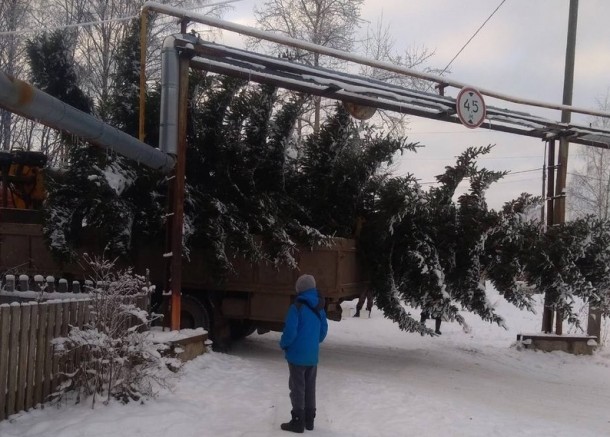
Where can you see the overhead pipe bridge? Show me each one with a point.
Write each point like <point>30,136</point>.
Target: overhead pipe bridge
<point>359,89</point>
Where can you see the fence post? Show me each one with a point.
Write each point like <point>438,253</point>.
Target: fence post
<point>24,283</point>
<point>26,311</point>
<point>13,352</point>
<point>50,284</point>
<point>38,283</point>
<point>31,359</point>
<point>80,322</point>
<point>48,364</point>
<point>59,308</point>
<point>72,321</point>
<point>9,284</point>
<point>41,351</point>
<point>5,319</point>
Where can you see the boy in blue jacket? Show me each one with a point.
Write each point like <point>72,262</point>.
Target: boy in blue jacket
<point>304,329</point>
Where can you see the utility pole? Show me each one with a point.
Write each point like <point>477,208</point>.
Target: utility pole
<point>559,213</point>
<point>566,116</point>
<point>544,169</point>
<point>547,313</point>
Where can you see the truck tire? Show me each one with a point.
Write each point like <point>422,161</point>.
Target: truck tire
<point>193,314</point>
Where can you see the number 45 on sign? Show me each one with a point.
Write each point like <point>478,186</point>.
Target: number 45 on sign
<point>470,107</point>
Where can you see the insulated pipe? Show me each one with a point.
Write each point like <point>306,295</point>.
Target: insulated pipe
<point>22,98</point>
<point>339,54</point>
<point>170,76</point>
<point>170,86</point>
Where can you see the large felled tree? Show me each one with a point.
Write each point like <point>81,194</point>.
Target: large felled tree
<point>340,170</point>
<point>53,72</point>
<point>252,195</point>
<point>248,194</point>
<point>430,252</point>
<point>94,190</point>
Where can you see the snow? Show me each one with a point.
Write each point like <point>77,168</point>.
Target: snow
<point>159,336</point>
<point>116,180</point>
<point>373,380</point>
<point>30,294</point>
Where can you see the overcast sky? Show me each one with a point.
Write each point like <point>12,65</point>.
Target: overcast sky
<point>520,51</point>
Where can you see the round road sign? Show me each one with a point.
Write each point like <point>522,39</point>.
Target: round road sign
<point>470,107</point>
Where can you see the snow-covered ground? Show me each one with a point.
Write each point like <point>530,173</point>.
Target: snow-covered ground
<point>373,380</point>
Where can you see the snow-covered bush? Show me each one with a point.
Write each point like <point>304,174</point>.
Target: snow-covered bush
<point>118,358</point>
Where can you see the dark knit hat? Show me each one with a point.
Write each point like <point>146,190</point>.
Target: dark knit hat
<point>305,282</point>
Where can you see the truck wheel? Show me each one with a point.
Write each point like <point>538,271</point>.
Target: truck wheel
<point>193,314</point>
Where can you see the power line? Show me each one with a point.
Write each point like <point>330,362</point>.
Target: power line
<point>517,180</point>
<point>510,157</point>
<point>469,132</point>
<point>93,23</point>
<point>501,181</point>
<point>483,158</point>
<point>524,171</point>
<point>471,38</point>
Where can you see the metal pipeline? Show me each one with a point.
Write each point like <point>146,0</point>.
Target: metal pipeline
<point>170,77</point>
<point>170,86</point>
<point>22,98</point>
<point>351,57</point>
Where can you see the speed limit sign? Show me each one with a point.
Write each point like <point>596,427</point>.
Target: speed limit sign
<point>470,107</point>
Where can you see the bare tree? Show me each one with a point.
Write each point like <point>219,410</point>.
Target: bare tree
<point>330,23</point>
<point>95,46</point>
<point>91,48</point>
<point>589,190</point>
<point>379,44</point>
<point>98,44</point>
<point>13,16</point>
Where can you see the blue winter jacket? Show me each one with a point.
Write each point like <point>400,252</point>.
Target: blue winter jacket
<point>303,330</point>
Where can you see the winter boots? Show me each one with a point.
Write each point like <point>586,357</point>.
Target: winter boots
<point>357,314</point>
<point>300,421</point>
<point>310,415</point>
<point>296,424</point>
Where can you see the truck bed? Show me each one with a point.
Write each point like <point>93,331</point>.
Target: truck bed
<point>260,292</point>
<point>256,292</point>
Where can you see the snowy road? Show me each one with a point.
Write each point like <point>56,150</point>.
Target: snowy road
<point>373,381</point>
<point>438,387</point>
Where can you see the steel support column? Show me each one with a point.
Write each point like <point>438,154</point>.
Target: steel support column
<point>176,197</point>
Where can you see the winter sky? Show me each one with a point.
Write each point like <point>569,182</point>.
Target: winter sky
<point>520,52</point>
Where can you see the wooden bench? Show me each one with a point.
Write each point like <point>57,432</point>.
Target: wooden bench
<point>570,343</point>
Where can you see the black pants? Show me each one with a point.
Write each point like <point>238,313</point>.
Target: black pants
<point>368,296</point>
<point>437,320</point>
<point>302,384</point>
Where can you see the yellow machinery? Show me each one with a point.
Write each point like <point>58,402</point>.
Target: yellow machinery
<point>22,179</point>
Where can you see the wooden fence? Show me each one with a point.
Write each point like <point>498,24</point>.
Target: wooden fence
<point>29,370</point>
